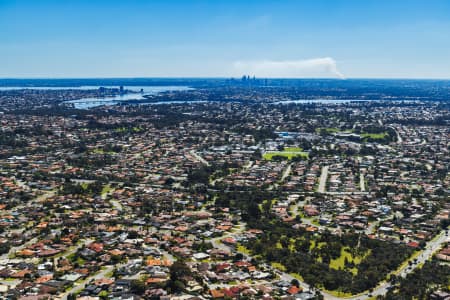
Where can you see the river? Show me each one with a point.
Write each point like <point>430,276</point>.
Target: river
<point>87,103</point>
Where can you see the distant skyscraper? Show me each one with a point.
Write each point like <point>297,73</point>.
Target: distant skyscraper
<point>228,107</point>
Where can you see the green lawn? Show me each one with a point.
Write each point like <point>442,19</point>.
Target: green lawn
<point>328,130</point>
<point>80,261</point>
<point>314,245</point>
<point>287,154</point>
<point>297,276</point>
<point>10,279</point>
<point>260,206</point>
<point>106,189</point>
<point>278,266</point>
<point>243,249</point>
<point>340,294</point>
<point>375,136</point>
<point>339,263</point>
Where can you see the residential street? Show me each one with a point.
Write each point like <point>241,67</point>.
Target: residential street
<point>323,179</point>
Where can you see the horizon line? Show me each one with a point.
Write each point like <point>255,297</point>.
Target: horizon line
<point>228,78</point>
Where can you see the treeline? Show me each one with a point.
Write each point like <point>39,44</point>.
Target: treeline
<point>258,134</point>
<point>438,121</point>
<point>94,188</point>
<point>9,139</point>
<point>95,161</point>
<point>203,174</point>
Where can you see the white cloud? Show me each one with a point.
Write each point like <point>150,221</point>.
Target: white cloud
<point>308,68</point>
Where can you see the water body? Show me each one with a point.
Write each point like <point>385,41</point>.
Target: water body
<point>147,89</point>
<point>15,88</point>
<point>321,101</point>
<point>87,103</point>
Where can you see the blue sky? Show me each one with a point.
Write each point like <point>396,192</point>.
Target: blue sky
<point>315,38</point>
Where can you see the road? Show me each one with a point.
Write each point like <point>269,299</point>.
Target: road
<point>79,246</point>
<point>308,221</point>
<point>431,247</point>
<point>362,184</point>
<point>4,258</point>
<point>79,287</point>
<point>286,172</point>
<point>323,179</point>
<point>399,137</point>
<point>371,227</point>
<point>116,204</point>
<point>216,242</point>
<point>199,158</point>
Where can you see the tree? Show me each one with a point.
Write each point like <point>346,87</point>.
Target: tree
<point>138,287</point>
<point>178,271</point>
<point>71,297</point>
<point>103,295</point>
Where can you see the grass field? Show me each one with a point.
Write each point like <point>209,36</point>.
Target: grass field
<point>314,245</point>
<point>278,266</point>
<point>328,130</point>
<point>288,152</point>
<point>339,263</point>
<point>374,136</point>
<point>340,294</point>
